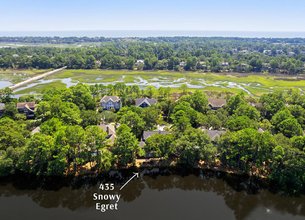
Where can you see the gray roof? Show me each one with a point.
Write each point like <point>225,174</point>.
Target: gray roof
<point>2,106</point>
<point>112,98</point>
<point>30,105</point>
<point>217,103</point>
<point>108,128</point>
<point>148,100</point>
<point>256,105</point>
<point>213,134</point>
<point>260,130</point>
<point>36,130</point>
<point>147,134</point>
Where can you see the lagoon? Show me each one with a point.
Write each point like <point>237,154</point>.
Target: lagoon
<point>190,196</point>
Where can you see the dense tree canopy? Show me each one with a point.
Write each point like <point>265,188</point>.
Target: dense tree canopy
<point>261,137</point>
<point>163,53</point>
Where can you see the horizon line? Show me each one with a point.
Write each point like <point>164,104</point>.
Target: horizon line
<point>153,33</point>
<point>182,30</point>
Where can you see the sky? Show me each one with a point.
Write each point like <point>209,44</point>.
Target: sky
<point>196,15</point>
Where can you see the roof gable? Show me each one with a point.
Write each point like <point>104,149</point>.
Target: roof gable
<point>213,134</point>
<point>149,101</point>
<point>147,134</point>
<point>110,98</point>
<point>26,104</point>
<point>217,103</point>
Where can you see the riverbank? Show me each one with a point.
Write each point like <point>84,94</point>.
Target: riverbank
<point>119,177</point>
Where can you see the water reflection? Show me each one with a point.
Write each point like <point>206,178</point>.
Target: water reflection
<point>173,195</point>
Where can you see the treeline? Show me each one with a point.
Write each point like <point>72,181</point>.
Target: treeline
<point>263,137</point>
<point>74,40</point>
<point>181,54</point>
<point>53,40</point>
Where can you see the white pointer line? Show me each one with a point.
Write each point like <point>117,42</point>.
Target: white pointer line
<point>135,175</point>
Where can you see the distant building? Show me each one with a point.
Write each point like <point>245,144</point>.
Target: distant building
<point>182,64</point>
<point>244,51</point>
<point>214,134</point>
<point>279,52</point>
<point>267,52</point>
<point>176,96</point>
<point>139,63</point>
<point>225,64</point>
<point>216,103</point>
<point>111,102</point>
<point>35,130</point>
<point>257,105</point>
<point>145,102</point>
<point>260,130</point>
<point>147,134</point>
<point>27,108</point>
<point>2,108</point>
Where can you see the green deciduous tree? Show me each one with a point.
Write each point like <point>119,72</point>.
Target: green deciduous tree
<point>134,122</point>
<point>194,145</point>
<point>159,145</point>
<point>126,146</point>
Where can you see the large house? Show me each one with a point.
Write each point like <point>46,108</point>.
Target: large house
<point>145,136</point>
<point>111,102</point>
<point>110,130</point>
<point>214,134</point>
<point>145,102</point>
<point>217,103</point>
<point>2,108</point>
<point>27,108</point>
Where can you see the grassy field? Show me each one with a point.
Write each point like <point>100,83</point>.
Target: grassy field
<point>251,84</point>
<point>38,89</point>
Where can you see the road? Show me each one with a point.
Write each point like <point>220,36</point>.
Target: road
<point>18,85</point>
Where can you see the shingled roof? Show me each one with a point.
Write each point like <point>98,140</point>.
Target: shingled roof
<point>110,130</point>
<point>30,105</point>
<point>213,134</point>
<point>112,98</point>
<point>148,100</point>
<point>2,106</point>
<point>217,103</point>
<point>147,134</point>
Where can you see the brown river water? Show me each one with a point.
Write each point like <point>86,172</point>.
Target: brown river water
<point>195,196</point>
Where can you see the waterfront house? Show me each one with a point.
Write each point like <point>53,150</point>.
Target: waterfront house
<point>111,102</point>
<point>182,64</point>
<point>139,62</point>
<point>145,136</point>
<point>145,102</point>
<point>216,103</point>
<point>110,130</point>
<point>27,108</point>
<point>2,108</point>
